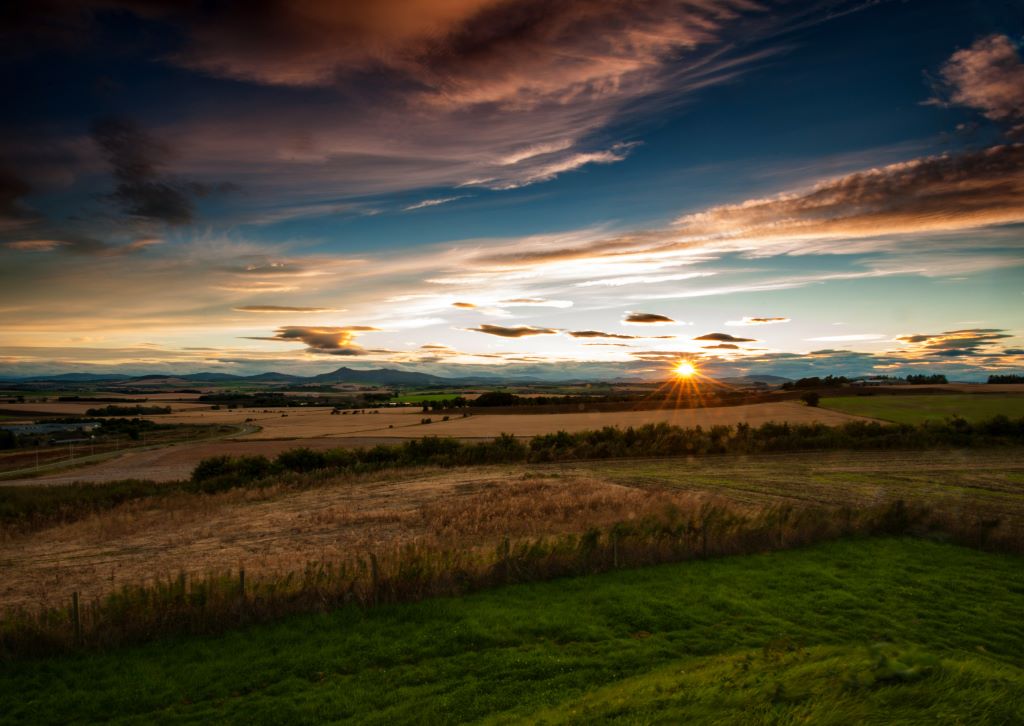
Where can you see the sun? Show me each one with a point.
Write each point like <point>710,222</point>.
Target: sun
<point>685,369</point>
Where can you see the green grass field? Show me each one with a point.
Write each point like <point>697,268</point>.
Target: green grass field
<point>885,631</point>
<point>917,409</point>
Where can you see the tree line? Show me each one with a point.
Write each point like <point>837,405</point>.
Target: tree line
<point>650,440</point>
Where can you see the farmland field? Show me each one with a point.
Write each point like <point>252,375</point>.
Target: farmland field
<point>282,429</point>
<point>403,423</point>
<point>277,529</point>
<point>916,409</point>
<point>857,631</point>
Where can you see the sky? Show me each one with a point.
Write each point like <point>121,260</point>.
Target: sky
<point>552,188</point>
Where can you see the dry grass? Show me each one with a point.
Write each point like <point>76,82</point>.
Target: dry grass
<point>273,531</point>
<point>278,530</point>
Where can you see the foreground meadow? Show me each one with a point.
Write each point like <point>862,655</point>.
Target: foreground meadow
<point>273,530</point>
<point>886,631</point>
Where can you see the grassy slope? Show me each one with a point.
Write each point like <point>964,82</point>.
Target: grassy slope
<point>763,639</point>
<point>916,409</point>
<point>960,481</point>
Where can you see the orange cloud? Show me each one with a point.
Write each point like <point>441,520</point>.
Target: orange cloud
<point>647,319</point>
<point>988,76</point>
<point>516,332</point>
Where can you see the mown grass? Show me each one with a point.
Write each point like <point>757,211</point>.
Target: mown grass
<point>856,631</point>
<point>921,408</point>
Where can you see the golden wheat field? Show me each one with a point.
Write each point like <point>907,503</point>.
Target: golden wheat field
<point>279,529</point>
<point>404,423</point>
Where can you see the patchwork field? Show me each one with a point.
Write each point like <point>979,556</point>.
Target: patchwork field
<point>916,409</point>
<point>405,422</point>
<point>869,631</point>
<point>317,428</point>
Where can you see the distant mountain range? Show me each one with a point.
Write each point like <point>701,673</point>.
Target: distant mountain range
<point>373,377</point>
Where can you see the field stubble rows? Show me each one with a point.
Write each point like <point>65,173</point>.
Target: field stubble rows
<point>277,530</point>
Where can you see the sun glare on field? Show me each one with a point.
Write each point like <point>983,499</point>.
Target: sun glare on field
<point>685,369</point>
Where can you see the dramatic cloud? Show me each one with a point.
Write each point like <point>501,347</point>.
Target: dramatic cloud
<point>516,332</point>
<point>397,95</point>
<point>281,309</point>
<point>458,51</point>
<point>724,338</point>
<point>955,343</point>
<point>935,193</point>
<point>647,319</point>
<point>330,340</point>
<point>988,76</point>
<point>747,321</point>
<point>141,190</point>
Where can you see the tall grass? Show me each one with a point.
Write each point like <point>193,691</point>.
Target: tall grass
<point>182,604</point>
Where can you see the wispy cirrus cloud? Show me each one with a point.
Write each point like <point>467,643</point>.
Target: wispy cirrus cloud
<point>423,204</point>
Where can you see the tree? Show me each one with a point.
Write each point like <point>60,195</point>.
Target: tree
<point>811,399</point>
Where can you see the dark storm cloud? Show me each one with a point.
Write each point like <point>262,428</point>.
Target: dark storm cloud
<point>647,319</point>
<point>523,331</point>
<point>725,338</point>
<point>13,190</point>
<point>141,190</point>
